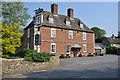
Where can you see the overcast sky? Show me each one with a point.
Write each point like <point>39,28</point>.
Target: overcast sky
<point>100,14</point>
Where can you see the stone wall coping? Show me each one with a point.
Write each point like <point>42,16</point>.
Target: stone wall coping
<point>4,59</point>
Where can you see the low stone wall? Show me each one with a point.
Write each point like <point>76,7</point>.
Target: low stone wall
<point>20,66</point>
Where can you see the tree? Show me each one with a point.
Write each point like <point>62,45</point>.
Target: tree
<point>99,33</point>
<point>14,12</point>
<point>10,38</point>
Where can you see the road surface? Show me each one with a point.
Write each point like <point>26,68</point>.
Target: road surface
<point>80,67</point>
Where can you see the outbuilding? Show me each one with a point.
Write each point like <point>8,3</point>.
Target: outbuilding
<point>100,49</point>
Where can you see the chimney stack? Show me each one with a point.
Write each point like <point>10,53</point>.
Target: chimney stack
<point>54,8</point>
<point>70,12</point>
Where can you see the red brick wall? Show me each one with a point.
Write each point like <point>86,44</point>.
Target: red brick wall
<point>62,40</point>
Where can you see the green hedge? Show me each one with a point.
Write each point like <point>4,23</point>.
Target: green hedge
<point>33,55</point>
<point>111,50</point>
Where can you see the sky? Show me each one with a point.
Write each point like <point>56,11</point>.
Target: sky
<point>94,14</point>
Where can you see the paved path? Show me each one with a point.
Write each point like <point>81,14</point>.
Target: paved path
<point>80,67</point>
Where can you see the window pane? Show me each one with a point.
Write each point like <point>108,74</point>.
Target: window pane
<point>84,48</point>
<point>81,25</point>
<point>53,33</point>
<point>84,36</point>
<point>28,33</point>
<point>51,20</point>
<point>70,35</point>
<point>68,48</point>
<point>67,22</point>
<point>53,48</point>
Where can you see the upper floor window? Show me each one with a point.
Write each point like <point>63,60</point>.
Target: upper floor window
<point>84,36</point>
<point>50,19</point>
<point>53,32</point>
<point>84,48</point>
<point>70,34</point>
<point>67,22</point>
<point>28,35</point>
<point>81,25</point>
<point>53,48</point>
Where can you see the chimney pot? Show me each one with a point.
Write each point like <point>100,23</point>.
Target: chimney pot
<point>54,8</point>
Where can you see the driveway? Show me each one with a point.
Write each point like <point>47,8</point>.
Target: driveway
<point>80,67</point>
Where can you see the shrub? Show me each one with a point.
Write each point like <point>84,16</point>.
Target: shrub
<point>5,56</point>
<point>20,54</point>
<point>111,49</point>
<point>9,57</point>
<point>26,51</point>
<point>32,55</point>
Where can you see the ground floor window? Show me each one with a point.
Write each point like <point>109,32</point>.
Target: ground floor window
<point>68,48</point>
<point>84,48</point>
<point>53,48</point>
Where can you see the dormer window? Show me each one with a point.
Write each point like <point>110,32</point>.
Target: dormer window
<point>81,25</point>
<point>50,19</point>
<point>67,22</point>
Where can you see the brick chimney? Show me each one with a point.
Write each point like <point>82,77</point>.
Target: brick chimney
<point>54,8</point>
<point>70,12</point>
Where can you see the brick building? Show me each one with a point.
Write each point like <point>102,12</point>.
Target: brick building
<point>59,34</point>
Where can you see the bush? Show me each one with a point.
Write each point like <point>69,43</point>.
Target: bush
<point>32,55</point>
<point>111,49</point>
<point>26,51</point>
<point>9,57</point>
<point>5,56</point>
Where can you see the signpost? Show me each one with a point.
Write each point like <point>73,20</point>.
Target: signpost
<point>38,22</point>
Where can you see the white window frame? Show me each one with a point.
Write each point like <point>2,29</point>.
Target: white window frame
<point>84,46</point>
<point>67,22</point>
<point>69,35</point>
<point>28,33</point>
<point>68,48</point>
<point>51,48</point>
<point>84,36</point>
<point>51,20</point>
<point>53,34</point>
<point>81,25</point>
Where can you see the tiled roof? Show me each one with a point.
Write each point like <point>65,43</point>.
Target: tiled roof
<point>99,46</point>
<point>114,40</point>
<point>59,22</point>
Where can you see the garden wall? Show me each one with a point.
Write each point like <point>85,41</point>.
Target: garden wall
<point>20,66</point>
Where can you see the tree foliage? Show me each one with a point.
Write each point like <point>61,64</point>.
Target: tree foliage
<point>11,38</point>
<point>99,33</point>
<point>14,12</point>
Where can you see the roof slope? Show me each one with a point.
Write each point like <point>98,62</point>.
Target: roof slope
<point>59,22</point>
<point>114,40</point>
<point>99,45</point>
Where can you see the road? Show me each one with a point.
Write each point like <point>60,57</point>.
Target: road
<point>80,67</point>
